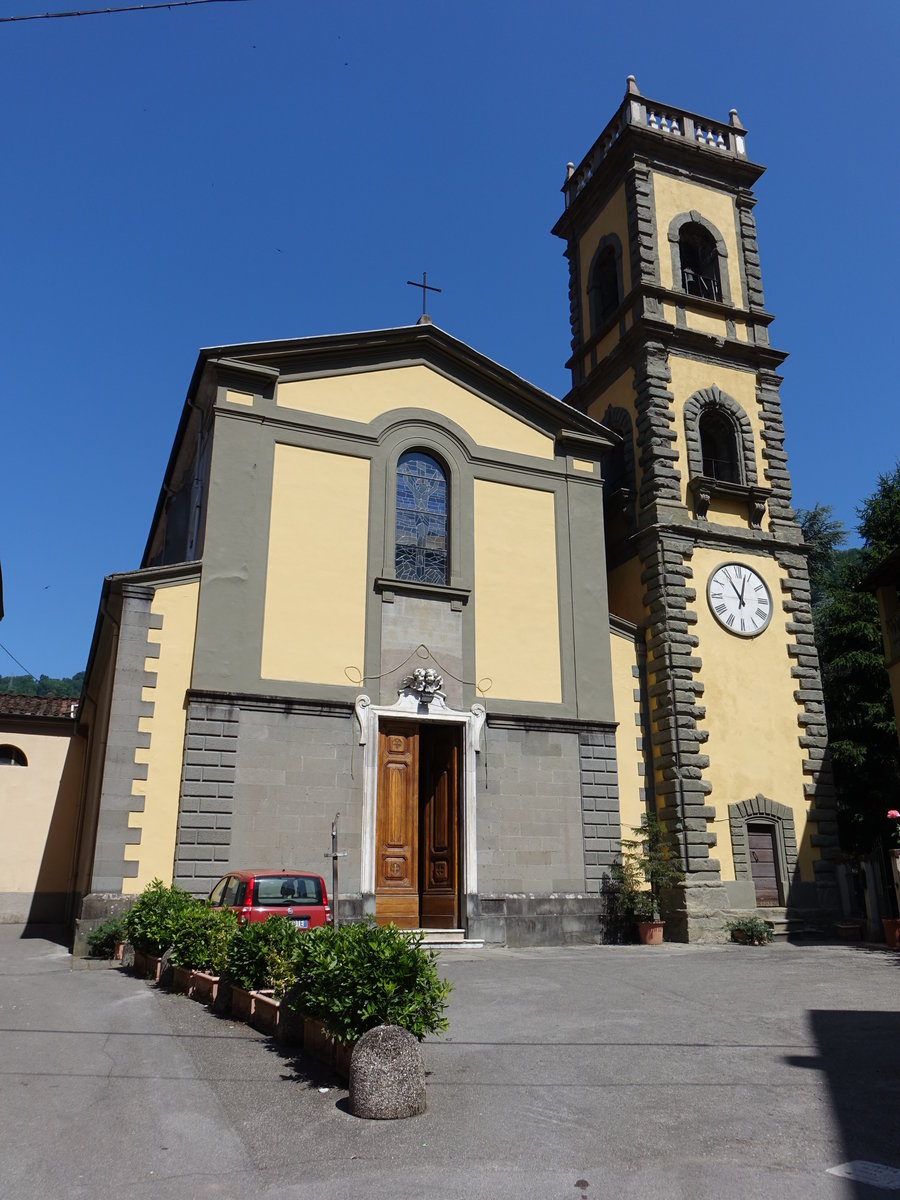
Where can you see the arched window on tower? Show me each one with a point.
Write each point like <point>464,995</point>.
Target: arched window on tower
<point>603,288</point>
<point>420,539</point>
<point>699,262</point>
<point>719,447</point>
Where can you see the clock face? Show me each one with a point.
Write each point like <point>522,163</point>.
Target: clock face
<point>739,599</point>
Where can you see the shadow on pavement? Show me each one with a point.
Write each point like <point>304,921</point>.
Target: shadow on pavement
<point>859,1054</point>
<point>57,934</point>
<point>303,1069</point>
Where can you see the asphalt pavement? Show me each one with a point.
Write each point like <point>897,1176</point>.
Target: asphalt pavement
<point>579,1073</point>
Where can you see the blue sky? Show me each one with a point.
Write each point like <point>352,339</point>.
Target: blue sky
<point>266,169</point>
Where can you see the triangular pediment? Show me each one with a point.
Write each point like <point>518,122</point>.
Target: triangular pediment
<point>359,376</point>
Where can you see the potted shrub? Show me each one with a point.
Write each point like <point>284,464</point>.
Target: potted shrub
<point>280,971</point>
<point>105,940</point>
<point>751,931</point>
<point>648,865</point>
<point>260,960</point>
<point>358,976</point>
<point>151,922</point>
<point>200,945</point>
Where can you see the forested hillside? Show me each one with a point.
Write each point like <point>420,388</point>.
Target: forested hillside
<point>27,685</point>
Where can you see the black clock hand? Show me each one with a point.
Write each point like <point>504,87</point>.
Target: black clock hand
<point>743,585</point>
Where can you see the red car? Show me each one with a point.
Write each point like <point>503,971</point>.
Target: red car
<point>255,895</point>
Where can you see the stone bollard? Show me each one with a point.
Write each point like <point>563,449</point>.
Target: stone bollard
<point>387,1075</point>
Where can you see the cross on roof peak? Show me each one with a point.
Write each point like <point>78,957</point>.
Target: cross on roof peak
<point>426,287</point>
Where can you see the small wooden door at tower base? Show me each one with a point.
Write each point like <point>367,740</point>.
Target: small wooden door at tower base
<point>416,826</point>
<point>763,868</point>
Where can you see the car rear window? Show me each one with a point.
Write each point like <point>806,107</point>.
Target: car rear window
<point>286,890</point>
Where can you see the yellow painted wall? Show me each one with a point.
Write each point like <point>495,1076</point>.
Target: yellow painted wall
<point>674,196</point>
<point>751,713</point>
<point>155,854</point>
<point>629,758</point>
<point>612,218</point>
<point>516,601</point>
<point>728,512</point>
<point>690,376</point>
<point>620,394</point>
<point>243,398</point>
<point>314,619</point>
<point>626,591</point>
<point>704,323</point>
<point>365,395</point>
<point>38,817</point>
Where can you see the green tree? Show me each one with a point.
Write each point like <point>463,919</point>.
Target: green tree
<point>824,534</point>
<point>879,517</point>
<point>861,728</point>
<point>27,685</point>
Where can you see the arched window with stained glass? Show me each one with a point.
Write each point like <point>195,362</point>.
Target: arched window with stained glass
<point>420,541</point>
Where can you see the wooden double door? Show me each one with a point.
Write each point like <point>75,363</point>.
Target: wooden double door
<point>417,825</point>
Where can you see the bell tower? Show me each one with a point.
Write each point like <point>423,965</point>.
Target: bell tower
<point>670,349</point>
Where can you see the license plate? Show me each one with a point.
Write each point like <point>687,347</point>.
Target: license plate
<point>301,922</point>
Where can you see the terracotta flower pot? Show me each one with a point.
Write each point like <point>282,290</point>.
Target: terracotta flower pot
<point>242,1003</point>
<point>181,980</point>
<point>650,933</point>
<point>147,965</point>
<point>315,1043</point>
<point>265,1012</point>
<point>891,926</point>
<point>848,931</point>
<point>204,987</point>
<point>290,1026</point>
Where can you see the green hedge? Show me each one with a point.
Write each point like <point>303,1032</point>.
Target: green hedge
<point>103,938</point>
<point>362,975</point>
<point>202,936</point>
<point>153,919</point>
<point>352,978</point>
<point>262,954</point>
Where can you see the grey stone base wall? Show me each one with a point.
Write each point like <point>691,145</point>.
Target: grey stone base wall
<point>537,920</point>
<point>547,808</point>
<point>97,907</point>
<point>601,823</point>
<point>203,838</point>
<point>699,910</point>
<point>262,782</point>
<point>295,770</point>
<point>696,911</point>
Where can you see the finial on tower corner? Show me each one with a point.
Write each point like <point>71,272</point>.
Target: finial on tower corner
<point>570,171</point>
<point>733,119</point>
<point>631,88</point>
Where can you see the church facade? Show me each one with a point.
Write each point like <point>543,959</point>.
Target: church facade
<point>388,578</point>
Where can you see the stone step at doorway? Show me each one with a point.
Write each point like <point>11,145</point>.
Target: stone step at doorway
<point>449,939</point>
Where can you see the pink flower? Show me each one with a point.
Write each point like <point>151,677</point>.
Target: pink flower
<point>893,814</point>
